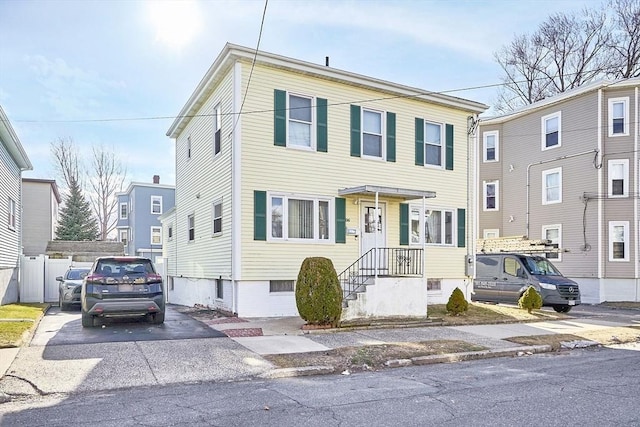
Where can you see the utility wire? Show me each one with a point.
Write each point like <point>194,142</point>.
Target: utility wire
<point>378,99</point>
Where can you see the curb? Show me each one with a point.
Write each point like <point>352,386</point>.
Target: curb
<point>421,360</point>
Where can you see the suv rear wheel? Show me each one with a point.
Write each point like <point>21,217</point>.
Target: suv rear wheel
<point>157,318</point>
<point>87,320</point>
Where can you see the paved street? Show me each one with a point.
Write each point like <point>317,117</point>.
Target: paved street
<point>592,387</point>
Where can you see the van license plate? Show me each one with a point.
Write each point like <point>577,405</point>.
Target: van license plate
<point>572,302</point>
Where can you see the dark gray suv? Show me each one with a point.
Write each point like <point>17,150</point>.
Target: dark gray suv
<point>122,287</point>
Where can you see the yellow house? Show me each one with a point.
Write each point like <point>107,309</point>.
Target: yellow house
<point>279,159</point>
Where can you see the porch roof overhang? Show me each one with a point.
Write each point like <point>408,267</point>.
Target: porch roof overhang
<point>401,193</point>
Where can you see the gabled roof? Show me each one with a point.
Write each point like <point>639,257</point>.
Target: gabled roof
<point>572,93</point>
<point>231,53</point>
<point>11,142</point>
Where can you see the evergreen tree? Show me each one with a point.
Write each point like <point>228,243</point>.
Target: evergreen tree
<point>76,220</point>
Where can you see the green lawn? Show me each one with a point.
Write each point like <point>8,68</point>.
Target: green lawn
<point>16,319</point>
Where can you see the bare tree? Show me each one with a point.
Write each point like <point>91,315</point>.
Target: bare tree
<point>569,50</point>
<point>65,161</point>
<point>625,40</point>
<point>522,63</point>
<point>108,178</point>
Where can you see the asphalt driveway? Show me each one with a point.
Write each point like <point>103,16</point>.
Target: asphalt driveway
<point>64,328</point>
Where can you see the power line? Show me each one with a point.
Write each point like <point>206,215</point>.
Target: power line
<point>253,64</point>
<point>271,110</point>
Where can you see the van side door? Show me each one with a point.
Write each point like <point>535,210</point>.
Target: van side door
<point>485,285</point>
<point>514,277</point>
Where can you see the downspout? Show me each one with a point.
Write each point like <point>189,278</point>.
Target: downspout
<point>471,237</point>
<point>569,156</point>
<point>236,187</point>
<point>635,201</point>
<point>600,204</point>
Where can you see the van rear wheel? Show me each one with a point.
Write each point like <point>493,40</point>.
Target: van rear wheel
<point>562,308</point>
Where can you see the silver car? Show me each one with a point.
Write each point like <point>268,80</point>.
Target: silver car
<point>70,287</point>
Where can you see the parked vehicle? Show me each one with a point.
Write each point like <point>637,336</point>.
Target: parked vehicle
<point>70,286</point>
<point>122,287</point>
<point>505,277</point>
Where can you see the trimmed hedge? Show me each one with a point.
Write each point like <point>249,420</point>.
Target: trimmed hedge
<point>318,292</point>
<point>457,304</point>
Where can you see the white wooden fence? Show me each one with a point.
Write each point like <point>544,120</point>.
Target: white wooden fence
<point>38,282</point>
<point>38,277</point>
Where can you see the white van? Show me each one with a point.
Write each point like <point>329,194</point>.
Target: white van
<point>505,277</point>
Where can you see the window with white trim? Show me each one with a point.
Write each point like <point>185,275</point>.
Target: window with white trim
<point>618,172</point>
<point>491,146</point>
<point>300,121</point>
<point>553,233</point>
<point>281,286</point>
<point>490,200</point>
<point>299,218</point>
<point>434,284</point>
<point>156,205</point>
<point>551,131</point>
<point>552,186</point>
<point>433,152</point>
<point>124,237</point>
<point>618,240</point>
<point>217,131</point>
<point>11,219</point>
<point>216,217</point>
<point>123,211</point>
<point>490,233</point>
<point>436,223</point>
<point>156,235</point>
<point>372,131</point>
<point>191,227</point>
<point>619,116</point>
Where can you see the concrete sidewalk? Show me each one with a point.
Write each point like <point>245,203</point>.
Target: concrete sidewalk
<point>285,334</point>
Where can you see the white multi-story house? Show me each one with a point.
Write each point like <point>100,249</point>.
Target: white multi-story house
<point>13,160</point>
<point>565,169</point>
<point>279,159</point>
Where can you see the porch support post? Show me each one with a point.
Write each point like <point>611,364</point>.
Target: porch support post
<point>424,253</point>
<point>376,225</point>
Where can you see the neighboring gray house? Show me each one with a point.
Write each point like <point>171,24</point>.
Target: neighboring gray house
<point>566,169</point>
<point>40,202</point>
<point>13,160</point>
<point>139,207</point>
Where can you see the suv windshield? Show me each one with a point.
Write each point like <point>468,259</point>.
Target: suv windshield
<point>540,266</point>
<point>124,267</point>
<point>77,274</point>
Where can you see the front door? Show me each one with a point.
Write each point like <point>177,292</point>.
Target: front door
<point>373,234</point>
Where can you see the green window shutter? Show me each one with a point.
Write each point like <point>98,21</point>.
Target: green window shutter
<point>321,117</point>
<point>280,118</point>
<point>259,215</point>
<point>462,237</point>
<point>419,142</point>
<point>341,222</point>
<point>355,131</point>
<point>391,137</point>
<point>449,145</point>
<point>404,224</point>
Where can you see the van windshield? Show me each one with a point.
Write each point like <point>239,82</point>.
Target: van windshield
<point>540,266</point>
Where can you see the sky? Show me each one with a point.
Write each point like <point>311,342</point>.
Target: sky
<point>114,73</point>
